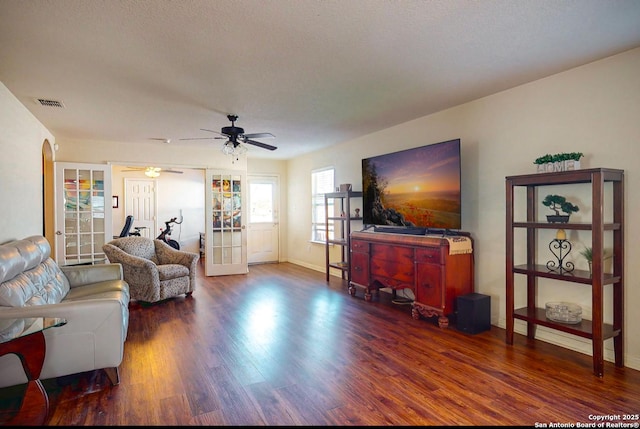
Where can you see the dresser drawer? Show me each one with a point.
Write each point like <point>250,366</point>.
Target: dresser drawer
<point>400,254</point>
<point>402,270</point>
<point>359,246</point>
<point>430,289</point>
<point>360,268</point>
<point>429,255</point>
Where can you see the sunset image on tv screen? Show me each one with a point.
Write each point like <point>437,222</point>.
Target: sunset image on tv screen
<point>414,187</point>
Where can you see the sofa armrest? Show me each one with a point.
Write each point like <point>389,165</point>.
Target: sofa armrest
<point>93,337</point>
<point>168,255</point>
<point>117,255</point>
<point>85,315</point>
<point>81,275</point>
<point>137,271</point>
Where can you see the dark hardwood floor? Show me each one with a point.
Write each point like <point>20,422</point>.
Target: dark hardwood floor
<point>280,346</point>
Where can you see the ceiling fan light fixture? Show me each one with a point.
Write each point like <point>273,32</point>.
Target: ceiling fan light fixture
<point>227,148</point>
<point>234,149</point>
<point>152,172</point>
<point>240,149</point>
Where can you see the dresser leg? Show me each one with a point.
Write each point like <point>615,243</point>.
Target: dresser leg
<point>415,313</point>
<point>443,322</point>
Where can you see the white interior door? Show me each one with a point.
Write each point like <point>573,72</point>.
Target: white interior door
<point>225,231</point>
<point>263,236</point>
<point>140,201</point>
<point>82,223</point>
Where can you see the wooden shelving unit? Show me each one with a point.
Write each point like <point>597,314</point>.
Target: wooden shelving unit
<point>342,231</point>
<point>595,330</point>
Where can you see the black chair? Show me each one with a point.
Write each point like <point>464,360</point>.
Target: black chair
<point>128,222</point>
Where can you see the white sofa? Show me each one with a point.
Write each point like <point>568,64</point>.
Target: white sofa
<point>93,299</point>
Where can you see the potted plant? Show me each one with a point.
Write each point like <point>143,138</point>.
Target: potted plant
<point>587,253</point>
<point>544,159</point>
<point>558,204</point>
<point>559,162</point>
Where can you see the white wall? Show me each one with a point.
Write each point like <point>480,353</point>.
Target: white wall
<point>594,109</point>
<point>174,192</point>
<point>21,140</point>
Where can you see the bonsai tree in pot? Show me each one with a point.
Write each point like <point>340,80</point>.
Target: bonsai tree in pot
<point>558,204</point>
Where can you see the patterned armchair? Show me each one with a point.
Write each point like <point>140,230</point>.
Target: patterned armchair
<point>154,270</point>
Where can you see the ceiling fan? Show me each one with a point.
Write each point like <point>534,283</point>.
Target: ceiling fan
<point>152,171</point>
<point>235,136</point>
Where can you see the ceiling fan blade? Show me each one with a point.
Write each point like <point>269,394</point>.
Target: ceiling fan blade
<point>212,131</point>
<point>262,145</point>
<point>165,140</point>
<point>260,136</point>
<point>173,171</point>
<point>204,138</point>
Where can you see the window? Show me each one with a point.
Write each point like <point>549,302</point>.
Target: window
<point>321,183</point>
<point>261,202</point>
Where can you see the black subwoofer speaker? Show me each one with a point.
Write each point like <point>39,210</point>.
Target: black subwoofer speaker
<point>473,313</point>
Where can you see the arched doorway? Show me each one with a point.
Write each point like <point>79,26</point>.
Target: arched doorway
<point>48,193</point>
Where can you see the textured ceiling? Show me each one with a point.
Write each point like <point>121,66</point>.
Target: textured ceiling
<point>314,73</point>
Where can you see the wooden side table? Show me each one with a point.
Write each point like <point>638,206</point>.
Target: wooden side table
<point>25,339</point>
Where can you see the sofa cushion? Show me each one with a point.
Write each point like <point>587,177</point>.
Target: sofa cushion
<point>172,271</point>
<point>22,255</point>
<point>97,290</point>
<point>44,284</point>
<point>9,328</point>
<point>142,248</point>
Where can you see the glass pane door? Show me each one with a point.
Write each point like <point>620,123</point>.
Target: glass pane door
<point>83,222</point>
<point>225,241</point>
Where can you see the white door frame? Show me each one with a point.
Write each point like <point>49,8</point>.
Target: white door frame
<point>263,244</point>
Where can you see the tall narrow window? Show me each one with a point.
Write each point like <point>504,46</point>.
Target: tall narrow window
<point>321,183</point>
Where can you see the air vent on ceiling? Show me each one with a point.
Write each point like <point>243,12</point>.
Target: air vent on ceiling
<point>50,103</point>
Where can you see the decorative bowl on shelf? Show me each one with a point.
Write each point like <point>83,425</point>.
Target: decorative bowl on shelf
<point>563,312</point>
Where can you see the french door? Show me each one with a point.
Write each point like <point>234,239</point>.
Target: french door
<point>83,212</point>
<point>225,230</point>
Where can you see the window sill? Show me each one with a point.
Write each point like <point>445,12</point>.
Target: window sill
<point>319,242</point>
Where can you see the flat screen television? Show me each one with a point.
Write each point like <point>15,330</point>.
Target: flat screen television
<point>417,187</point>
